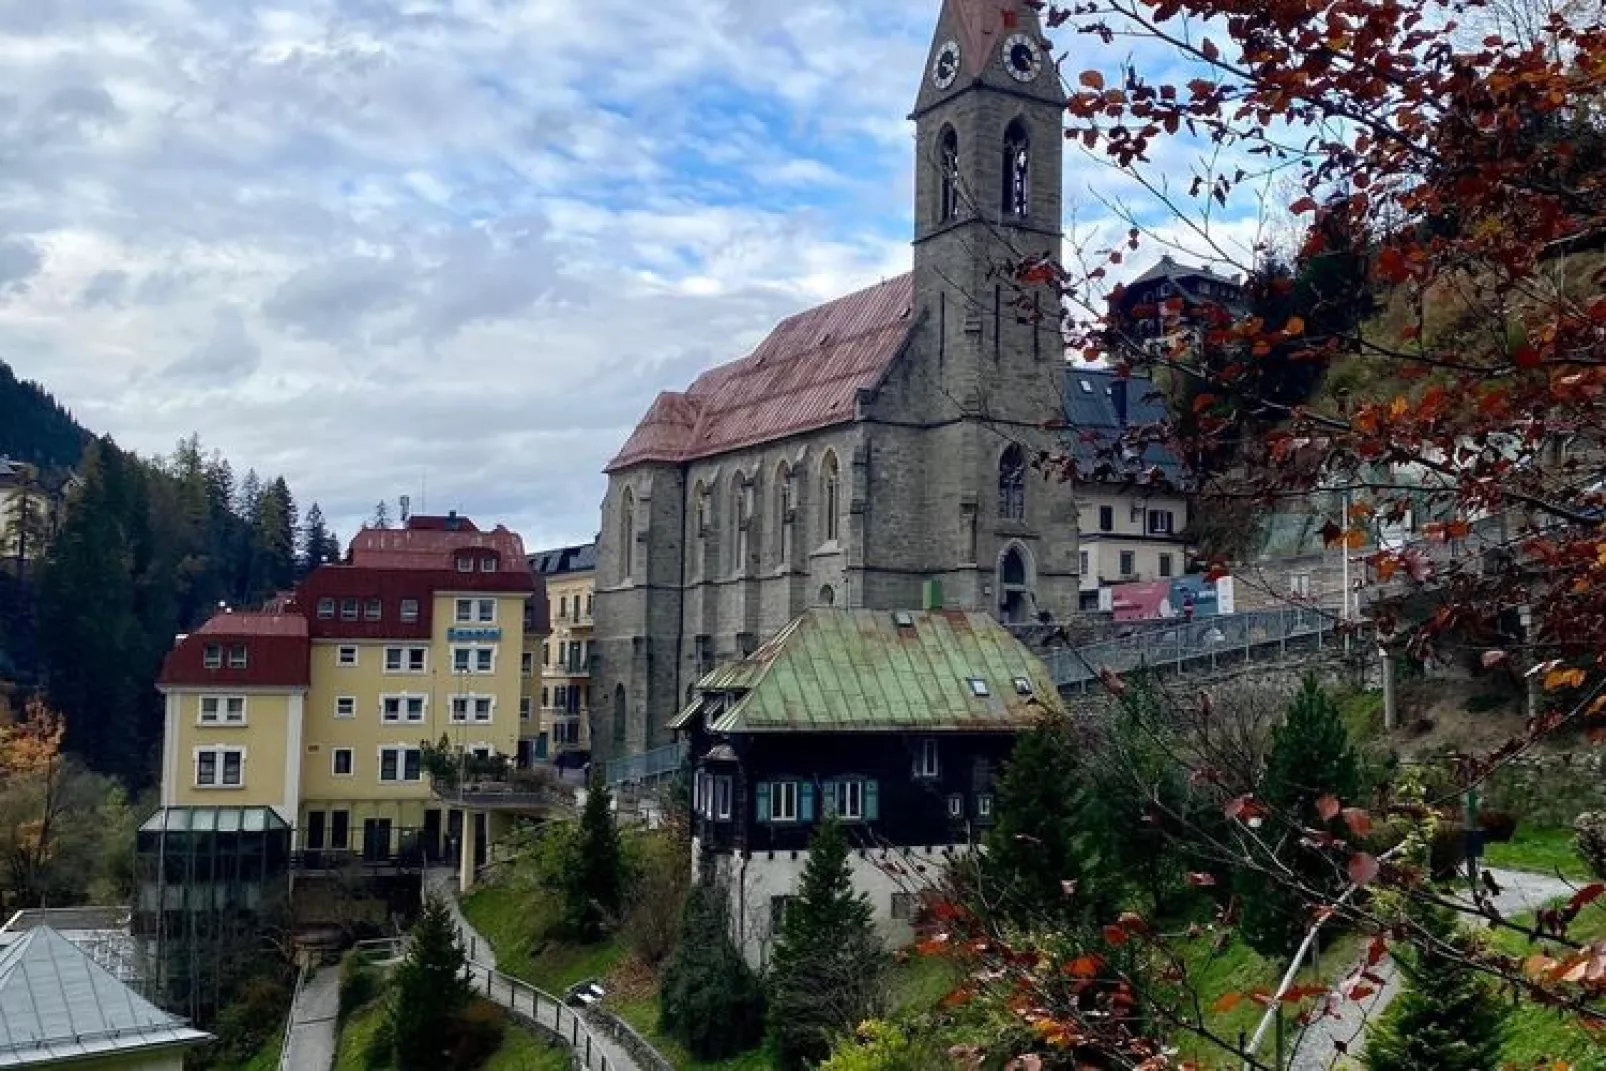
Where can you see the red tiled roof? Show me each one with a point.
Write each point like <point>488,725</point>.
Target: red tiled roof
<point>254,624</point>
<point>983,25</point>
<point>431,548</point>
<point>805,375</point>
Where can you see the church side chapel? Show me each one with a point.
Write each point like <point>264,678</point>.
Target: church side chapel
<point>874,443</point>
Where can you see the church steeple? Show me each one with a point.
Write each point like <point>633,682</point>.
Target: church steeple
<point>989,137</point>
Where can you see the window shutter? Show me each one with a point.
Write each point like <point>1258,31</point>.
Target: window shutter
<point>872,805</point>
<point>805,802</point>
<point>764,801</point>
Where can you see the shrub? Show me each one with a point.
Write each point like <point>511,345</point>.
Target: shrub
<point>358,985</point>
<point>1498,826</point>
<point>256,1014</point>
<point>476,1035</point>
<point>1589,832</point>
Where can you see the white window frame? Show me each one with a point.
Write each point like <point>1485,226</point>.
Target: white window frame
<point>526,707</point>
<point>409,611</point>
<point>463,612</point>
<point>784,792</point>
<point>1166,519</point>
<point>326,608</point>
<point>212,656</point>
<point>472,704</point>
<point>485,611</point>
<point>978,687</point>
<point>984,805</point>
<point>956,805</point>
<point>345,706</point>
<point>474,659</point>
<point>345,649</point>
<point>465,563</point>
<point>1122,560</point>
<point>928,763</point>
<point>400,751</point>
<point>404,660</point>
<point>404,701</point>
<point>220,754</point>
<point>351,762</point>
<point>723,795</point>
<point>401,659</point>
<point>422,657</point>
<point>849,800</point>
<point>527,664</point>
<point>239,656</point>
<point>487,564</point>
<point>220,710</point>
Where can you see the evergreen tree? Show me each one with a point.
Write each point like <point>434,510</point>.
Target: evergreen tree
<point>826,973</point>
<point>1310,757</point>
<point>314,540</point>
<point>595,882</point>
<point>332,551</point>
<point>710,1000</point>
<point>1447,1020</point>
<point>273,541</point>
<point>430,988</point>
<point>1038,842</point>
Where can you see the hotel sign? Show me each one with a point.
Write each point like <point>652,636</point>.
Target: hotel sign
<point>473,635</point>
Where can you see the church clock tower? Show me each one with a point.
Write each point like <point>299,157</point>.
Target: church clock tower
<point>989,137</point>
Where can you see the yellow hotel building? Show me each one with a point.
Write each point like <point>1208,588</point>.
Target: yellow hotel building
<point>570,574</point>
<point>319,706</point>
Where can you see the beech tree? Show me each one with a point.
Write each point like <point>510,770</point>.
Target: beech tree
<point>1434,347</point>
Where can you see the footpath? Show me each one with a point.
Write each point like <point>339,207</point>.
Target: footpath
<point>593,1048</point>
<point>1341,1035</point>
<point>310,1041</point>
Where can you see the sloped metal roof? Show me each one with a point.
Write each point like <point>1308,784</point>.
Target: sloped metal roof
<point>837,670</point>
<point>1096,427</point>
<point>214,820</point>
<point>56,1005</point>
<point>806,374</point>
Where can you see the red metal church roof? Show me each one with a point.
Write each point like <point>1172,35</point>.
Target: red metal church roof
<point>805,375</point>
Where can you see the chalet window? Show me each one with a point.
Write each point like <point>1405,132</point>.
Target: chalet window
<point>852,800</point>
<point>785,801</point>
<point>713,797</point>
<point>926,764</point>
<point>984,806</point>
<point>722,799</point>
<point>956,808</point>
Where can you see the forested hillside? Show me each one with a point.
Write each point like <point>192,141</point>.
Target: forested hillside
<point>146,549</point>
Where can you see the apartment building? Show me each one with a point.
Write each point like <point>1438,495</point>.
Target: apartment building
<point>320,706</point>
<point>564,684</point>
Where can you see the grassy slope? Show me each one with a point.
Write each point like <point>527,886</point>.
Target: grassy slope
<point>522,1050</point>
<point>1547,851</point>
<point>1534,1033</point>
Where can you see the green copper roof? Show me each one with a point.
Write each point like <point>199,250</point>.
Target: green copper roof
<point>835,670</point>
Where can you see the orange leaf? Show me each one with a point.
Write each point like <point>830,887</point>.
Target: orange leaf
<point>1295,326</point>
<point>1563,678</point>
<point>1358,821</point>
<point>1328,807</point>
<point>1355,538</point>
<point>1084,967</point>
<point>1226,1002</point>
<point>1363,868</point>
<point>1091,79</point>
<point>1115,936</point>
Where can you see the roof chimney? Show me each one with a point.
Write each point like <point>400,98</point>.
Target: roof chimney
<point>932,595</point>
<point>451,521</point>
<point>1118,399</point>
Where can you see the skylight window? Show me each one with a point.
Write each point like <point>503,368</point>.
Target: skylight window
<point>903,619</point>
<point>1087,388</point>
<point>1023,686</point>
<point>978,687</point>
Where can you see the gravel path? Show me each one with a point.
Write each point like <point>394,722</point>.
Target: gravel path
<point>312,1038</point>
<point>1335,1040</point>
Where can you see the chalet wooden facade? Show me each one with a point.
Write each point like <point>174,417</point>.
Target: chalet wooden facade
<point>895,722</point>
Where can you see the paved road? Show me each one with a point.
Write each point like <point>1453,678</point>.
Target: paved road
<point>1325,1043</point>
<point>311,1045</point>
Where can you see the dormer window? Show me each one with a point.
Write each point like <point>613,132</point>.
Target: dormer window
<point>465,563</point>
<point>213,657</point>
<point>487,565</point>
<point>326,609</point>
<point>374,610</point>
<point>237,656</point>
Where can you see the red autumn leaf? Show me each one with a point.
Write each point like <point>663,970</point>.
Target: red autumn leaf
<point>1115,936</point>
<point>1328,807</point>
<point>1304,204</point>
<point>1210,51</point>
<point>1526,357</point>
<point>1363,868</point>
<point>1586,896</point>
<point>1226,1002</point>
<point>1358,821</point>
<point>1091,79</point>
<point>1200,879</point>
<point>1084,967</point>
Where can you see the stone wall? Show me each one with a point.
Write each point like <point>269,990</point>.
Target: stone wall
<point>1549,789</point>
<point>623,1035</point>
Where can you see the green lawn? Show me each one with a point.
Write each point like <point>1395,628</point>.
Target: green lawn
<point>515,923</point>
<point>1547,851</point>
<point>522,1050</point>
<point>1534,1033</point>
<point>360,1026</point>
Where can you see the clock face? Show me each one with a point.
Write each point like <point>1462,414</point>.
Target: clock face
<point>945,68</point>
<point>1021,57</point>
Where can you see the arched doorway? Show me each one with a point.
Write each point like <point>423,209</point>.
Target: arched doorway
<point>1015,599</point>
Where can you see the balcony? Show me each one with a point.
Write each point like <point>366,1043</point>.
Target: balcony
<point>524,791</point>
<point>566,668</point>
<point>378,854</point>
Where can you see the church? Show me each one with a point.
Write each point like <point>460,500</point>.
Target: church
<point>877,442</point>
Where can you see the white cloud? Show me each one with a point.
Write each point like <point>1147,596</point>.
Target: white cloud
<point>374,245</point>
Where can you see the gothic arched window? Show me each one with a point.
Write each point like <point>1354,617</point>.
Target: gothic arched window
<point>1012,484</point>
<point>741,516</point>
<point>1017,169</point>
<point>947,175</point>
<point>627,534</point>
<point>785,510</point>
<point>830,497</point>
<point>621,716</point>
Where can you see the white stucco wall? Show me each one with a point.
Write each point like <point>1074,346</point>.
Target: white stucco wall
<point>878,873</point>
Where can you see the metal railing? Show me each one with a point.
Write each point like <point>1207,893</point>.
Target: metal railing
<point>1205,641</point>
<point>290,1020</point>
<point>548,1012</point>
<point>648,766</point>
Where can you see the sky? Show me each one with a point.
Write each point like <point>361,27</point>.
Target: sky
<point>448,249</point>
